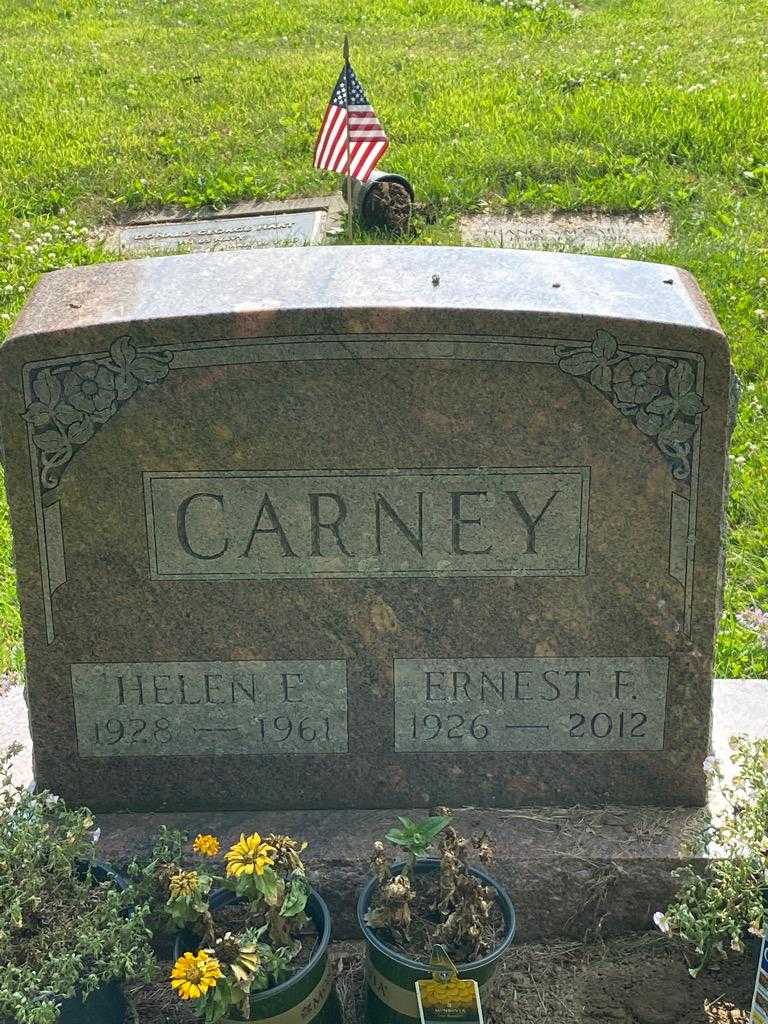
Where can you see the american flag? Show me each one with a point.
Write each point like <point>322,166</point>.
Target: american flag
<point>368,141</point>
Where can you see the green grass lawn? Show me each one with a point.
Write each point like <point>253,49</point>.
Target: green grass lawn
<point>112,105</point>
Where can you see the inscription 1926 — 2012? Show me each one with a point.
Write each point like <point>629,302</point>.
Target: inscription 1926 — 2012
<point>152,709</point>
<point>497,704</point>
<point>398,523</point>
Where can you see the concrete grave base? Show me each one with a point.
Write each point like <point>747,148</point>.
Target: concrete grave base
<point>571,872</point>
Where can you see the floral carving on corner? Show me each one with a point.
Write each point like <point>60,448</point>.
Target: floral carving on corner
<point>72,401</point>
<point>658,394</point>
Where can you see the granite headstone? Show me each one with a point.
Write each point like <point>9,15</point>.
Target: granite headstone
<point>368,527</point>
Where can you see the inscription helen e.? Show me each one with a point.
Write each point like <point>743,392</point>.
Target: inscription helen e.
<point>153,709</point>
<point>496,704</point>
<point>442,522</point>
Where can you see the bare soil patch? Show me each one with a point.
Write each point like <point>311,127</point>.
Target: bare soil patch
<point>640,979</point>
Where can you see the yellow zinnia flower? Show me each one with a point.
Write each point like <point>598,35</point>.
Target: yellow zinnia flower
<point>183,883</point>
<point>250,856</point>
<point>207,845</point>
<point>193,974</point>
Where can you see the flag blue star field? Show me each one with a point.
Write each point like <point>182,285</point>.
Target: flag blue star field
<point>351,139</point>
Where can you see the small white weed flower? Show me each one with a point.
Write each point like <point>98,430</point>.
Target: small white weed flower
<point>661,922</point>
<point>710,765</point>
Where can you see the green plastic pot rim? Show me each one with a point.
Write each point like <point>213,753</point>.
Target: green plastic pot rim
<point>222,897</point>
<point>432,864</point>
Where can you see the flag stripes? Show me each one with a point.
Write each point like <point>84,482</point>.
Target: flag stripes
<point>351,139</point>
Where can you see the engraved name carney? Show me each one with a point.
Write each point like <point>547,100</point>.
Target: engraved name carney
<point>442,522</point>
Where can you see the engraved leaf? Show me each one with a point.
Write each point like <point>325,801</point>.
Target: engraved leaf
<point>47,388</point>
<point>81,432</point>
<point>602,377</point>
<point>604,345</point>
<point>66,414</point>
<point>691,404</point>
<point>102,415</point>
<point>681,379</point>
<point>648,422</point>
<point>50,441</point>
<point>663,404</point>
<point>125,384</point>
<point>38,414</point>
<point>580,362</point>
<point>678,431</point>
<point>123,351</point>
<point>148,368</point>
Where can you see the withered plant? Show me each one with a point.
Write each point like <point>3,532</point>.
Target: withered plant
<point>414,909</point>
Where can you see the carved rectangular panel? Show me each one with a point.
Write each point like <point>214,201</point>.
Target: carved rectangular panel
<point>155,709</point>
<point>368,523</point>
<point>495,704</point>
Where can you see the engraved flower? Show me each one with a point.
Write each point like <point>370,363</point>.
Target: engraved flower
<point>638,379</point>
<point>89,387</point>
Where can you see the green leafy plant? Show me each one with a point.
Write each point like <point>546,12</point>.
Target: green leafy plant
<point>62,932</point>
<point>417,837</point>
<point>715,909</point>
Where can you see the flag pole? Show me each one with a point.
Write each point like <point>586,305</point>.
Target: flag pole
<point>347,91</point>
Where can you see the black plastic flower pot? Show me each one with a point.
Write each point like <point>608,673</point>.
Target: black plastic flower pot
<point>385,201</point>
<point>106,1005</point>
<point>391,977</point>
<point>309,995</point>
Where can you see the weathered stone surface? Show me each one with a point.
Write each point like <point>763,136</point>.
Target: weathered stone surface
<point>576,231</point>
<point>148,408</point>
<point>567,871</point>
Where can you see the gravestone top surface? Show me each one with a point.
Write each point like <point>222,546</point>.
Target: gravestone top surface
<point>360,277</point>
<point>368,526</point>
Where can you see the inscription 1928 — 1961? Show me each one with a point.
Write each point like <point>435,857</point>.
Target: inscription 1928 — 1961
<point>154,709</point>
<point>497,704</point>
<point>399,523</point>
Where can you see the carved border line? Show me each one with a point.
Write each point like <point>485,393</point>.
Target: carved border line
<point>97,385</point>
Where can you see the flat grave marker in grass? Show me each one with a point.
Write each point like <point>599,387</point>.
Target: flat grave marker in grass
<point>575,231</point>
<point>244,226</point>
<point>374,526</point>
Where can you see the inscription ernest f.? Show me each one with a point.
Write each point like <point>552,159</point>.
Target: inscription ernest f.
<point>447,522</point>
<point>164,708</point>
<point>494,704</point>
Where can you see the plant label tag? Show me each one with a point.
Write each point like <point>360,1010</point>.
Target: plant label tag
<point>445,996</point>
<point>759,1013</point>
<point>456,1000</point>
